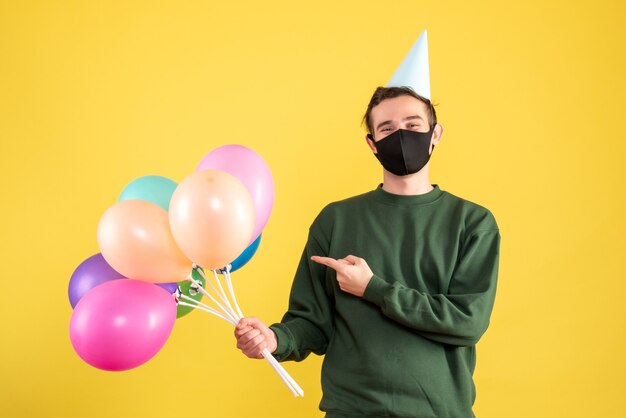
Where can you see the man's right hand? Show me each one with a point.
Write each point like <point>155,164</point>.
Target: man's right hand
<point>253,336</point>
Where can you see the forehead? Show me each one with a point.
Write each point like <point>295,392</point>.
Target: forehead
<point>398,108</point>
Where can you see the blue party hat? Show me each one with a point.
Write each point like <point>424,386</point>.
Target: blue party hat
<point>413,72</point>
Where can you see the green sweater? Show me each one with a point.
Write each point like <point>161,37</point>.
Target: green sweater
<point>407,348</point>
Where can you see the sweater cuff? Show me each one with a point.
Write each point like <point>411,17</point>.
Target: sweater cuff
<point>375,290</point>
<point>283,338</point>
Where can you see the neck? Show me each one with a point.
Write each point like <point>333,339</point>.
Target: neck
<point>414,184</point>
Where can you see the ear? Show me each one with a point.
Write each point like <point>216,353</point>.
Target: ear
<point>436,138</point>
<point>437,134</point>
<point>370,143</point>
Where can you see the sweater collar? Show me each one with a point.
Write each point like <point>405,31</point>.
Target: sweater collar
<point>407,200</point>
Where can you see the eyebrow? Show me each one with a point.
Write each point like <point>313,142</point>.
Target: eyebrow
<point>388,122</point>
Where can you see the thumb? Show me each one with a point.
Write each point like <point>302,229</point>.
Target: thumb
<point>353,259</point>
<point>244,322</point>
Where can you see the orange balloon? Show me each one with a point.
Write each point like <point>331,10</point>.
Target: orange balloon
<point>135,239</point>
<point>212,218</point>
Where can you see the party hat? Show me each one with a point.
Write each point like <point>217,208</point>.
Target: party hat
<point>413,72</point>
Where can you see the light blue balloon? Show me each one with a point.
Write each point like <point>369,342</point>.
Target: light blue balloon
<point>154,189</point>
<point>246,255</point>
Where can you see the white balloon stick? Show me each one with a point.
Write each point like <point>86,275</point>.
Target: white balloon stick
<point>229,283</point>
<point>198,303</point>
<point>219,284</point>
<point>289,381</point>
<point>227,308</point>
<point>205,293</point>
<point>233,318</point>
<point>284,378</point>
<point>206,310</point>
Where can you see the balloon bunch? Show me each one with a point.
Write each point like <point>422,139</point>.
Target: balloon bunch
<point>155,244</point>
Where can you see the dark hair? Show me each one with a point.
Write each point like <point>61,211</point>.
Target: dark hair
<point>383,93</point>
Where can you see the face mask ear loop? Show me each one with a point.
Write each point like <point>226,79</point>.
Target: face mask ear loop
<point>431,136</point>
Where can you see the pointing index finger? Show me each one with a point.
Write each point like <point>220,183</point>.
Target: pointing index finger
<point>327,261</point>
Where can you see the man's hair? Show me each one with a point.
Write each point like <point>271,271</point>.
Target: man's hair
<point>383,93</point>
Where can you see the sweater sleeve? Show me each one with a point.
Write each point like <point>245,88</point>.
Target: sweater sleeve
<point>459,317</point>
<point>307,326</point>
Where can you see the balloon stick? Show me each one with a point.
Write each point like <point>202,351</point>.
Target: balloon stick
<point>206,310</point>
<point>233,318</point>
<point>219,283</point>
<point>198,303</point>
<point>229,283</point>
<point>205,293</point>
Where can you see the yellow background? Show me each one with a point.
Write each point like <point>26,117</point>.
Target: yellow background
<point>531,96</point>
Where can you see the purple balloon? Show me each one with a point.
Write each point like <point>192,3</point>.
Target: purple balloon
<point>122,324</point>
<point>90,273</point>
<point>170,287</point>
<point>252,170</point>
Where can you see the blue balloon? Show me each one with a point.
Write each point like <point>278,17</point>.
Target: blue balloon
<point>154,189</point>
<point>246,255</point>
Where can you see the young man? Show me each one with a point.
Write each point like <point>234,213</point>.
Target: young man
<point>395,286</point>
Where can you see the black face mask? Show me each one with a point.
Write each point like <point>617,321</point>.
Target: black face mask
<point>404,152</point>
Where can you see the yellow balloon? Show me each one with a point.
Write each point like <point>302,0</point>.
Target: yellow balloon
<point>212,218</point>
<point>135,239</point>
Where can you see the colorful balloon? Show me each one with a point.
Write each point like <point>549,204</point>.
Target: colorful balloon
<point>171,288</point>
<point>122,324</point>
<point>135,239</point>
<point>252,170</point>
<point>154,189</point>
<point>246,255</point>
<point>211,217</point>
<point>90,273</point>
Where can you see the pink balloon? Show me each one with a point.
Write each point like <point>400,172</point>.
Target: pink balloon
<point>122,324</point>
<point>252,170</point>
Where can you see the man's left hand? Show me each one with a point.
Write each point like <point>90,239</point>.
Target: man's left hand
<point>353,273</point>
